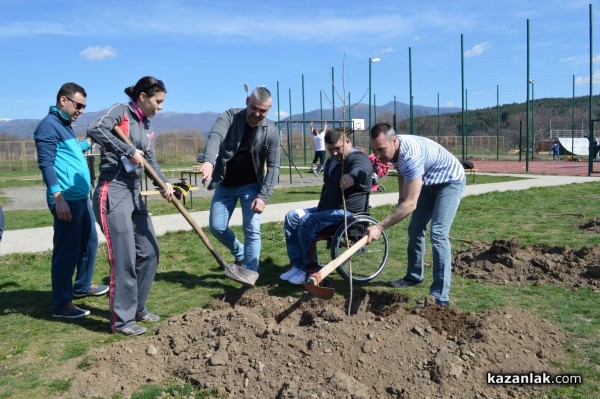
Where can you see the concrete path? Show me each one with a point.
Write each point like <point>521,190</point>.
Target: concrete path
<point>40,239</point>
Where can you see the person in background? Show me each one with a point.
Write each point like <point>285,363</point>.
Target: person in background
<point>347,175</point>
<point>319,140</point>
<point>67,178</point>
<point>1,222</point>
<point>430,184</point>
<point>555,150</point>
<point>241,163</point>
<point>131,242</point>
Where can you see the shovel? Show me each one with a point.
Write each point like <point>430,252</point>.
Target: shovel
<point>312,286</point>
<point>158,181</point>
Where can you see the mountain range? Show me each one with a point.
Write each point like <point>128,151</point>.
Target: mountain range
<point>194,123</point>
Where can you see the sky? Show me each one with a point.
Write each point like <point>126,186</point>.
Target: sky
<point>205,51</point>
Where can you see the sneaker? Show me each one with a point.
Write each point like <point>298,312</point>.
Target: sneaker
<point>431,301</point>
<point>70,311</point>
<point>94,290</point>
<point>239,262</point>
<point>241,275</point>
<point>132,330</point>
<point>291,272</point>
<point>298,278</point>
<point>403,283</point>
<point>148,317</point>
<point>315,173</point>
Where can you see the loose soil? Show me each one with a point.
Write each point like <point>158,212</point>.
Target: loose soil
<point>592,226</point>
<point>253,344</point>
<point>506,262</point>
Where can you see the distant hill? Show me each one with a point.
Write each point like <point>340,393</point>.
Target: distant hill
<point>188,123</point>
<point>361,111</point>
<point>176,122</point>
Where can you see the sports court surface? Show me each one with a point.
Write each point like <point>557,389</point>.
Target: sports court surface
<point>562,168</point>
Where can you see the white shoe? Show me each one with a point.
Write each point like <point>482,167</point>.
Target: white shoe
<point>291,272</point>
<point>298,278</point>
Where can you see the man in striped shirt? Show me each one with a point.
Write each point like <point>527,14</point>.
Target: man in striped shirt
<point>430,184</point>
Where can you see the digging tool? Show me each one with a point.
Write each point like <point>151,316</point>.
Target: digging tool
<point>229,269</point>
<point>324,292</point>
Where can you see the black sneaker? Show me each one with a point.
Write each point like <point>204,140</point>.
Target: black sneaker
<point>403,283</point>
<point>70,311</point>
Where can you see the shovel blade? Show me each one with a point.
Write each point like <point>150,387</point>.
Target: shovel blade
<point>242,275</point>
<point>319,292</point>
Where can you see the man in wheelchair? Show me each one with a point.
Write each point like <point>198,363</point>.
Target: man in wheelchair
<point>347,173</point>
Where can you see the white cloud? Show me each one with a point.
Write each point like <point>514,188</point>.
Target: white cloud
<point>596,59</point>
<point>387,50</point>
<point>585,80</point>
<point>248,24</point>
<point>98,53</point>
<point>478,49</point>
<point>567,59</point>
<point>23,29</point>
<point>419,37</point>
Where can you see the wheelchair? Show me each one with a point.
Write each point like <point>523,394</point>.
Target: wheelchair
<point>366,264</point>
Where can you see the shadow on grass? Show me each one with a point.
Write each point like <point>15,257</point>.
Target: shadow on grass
<point>38,304</point>
<point>215,279</point>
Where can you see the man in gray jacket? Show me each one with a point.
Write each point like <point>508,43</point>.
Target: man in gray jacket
<point>240,144</point>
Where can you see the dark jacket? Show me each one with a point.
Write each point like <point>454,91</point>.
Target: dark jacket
<point>357,165</point>
<point>224,140</point>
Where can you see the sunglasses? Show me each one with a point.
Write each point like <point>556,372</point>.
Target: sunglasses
<point>78,106</point>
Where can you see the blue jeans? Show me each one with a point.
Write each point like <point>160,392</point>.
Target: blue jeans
<point>75,246</point>
<point>223,203</point>
<point>437,204</point>
<point>319,156</point>
<point>301,228</point>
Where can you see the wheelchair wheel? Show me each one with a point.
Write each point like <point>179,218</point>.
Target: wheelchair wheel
<point>370,260</point>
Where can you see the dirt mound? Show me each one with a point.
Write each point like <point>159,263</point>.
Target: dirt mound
<point>592,226</point>
<point>505,262</point>
<point>256,345</point>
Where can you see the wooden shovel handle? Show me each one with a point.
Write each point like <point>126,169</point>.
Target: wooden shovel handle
<point>161,184</point>
<point>317,277</point>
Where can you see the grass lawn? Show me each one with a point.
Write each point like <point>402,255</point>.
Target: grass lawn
<point>32,344</point>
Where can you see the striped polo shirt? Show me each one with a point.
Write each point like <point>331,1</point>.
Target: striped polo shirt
<point>420,156</point>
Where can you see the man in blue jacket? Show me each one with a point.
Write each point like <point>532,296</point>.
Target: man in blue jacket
<point>67,178</point>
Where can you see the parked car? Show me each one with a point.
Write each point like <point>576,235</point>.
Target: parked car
<point>200,157</point>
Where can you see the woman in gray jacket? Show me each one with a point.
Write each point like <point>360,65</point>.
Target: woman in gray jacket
<point>118,205</point>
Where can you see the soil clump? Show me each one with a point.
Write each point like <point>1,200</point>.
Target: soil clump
<point>254,344</point>
<point>506,262</point>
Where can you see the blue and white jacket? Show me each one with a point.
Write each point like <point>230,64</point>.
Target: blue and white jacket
<point>60,157</point>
